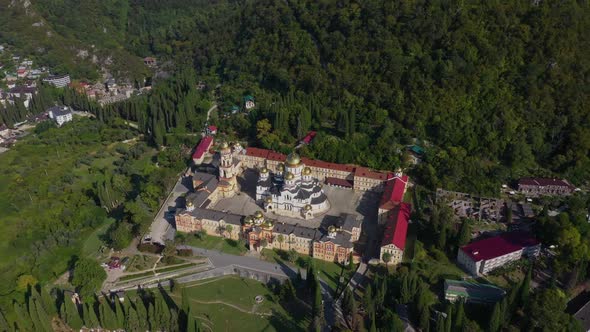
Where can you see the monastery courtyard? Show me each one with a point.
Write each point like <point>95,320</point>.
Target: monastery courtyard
<point>342,200</point>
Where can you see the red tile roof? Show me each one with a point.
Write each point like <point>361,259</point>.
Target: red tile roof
<point>367,173</point>
<point>202,147</point>
<point>396,227</point>
<point>276,156</point>
<point>212,128</point>
<point>542,182</point>
<point>498,245</point>
<point>256,152</point>
<point>325,164</point>
<point>394,191</point>
<point>338,182</point>
<point>309,137</point>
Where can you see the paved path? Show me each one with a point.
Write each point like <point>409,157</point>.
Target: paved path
<point>219,259</point>
<point>162,227</point>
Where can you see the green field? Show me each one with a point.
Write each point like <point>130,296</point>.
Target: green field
<point>216,243</point>
<point>238,310</point>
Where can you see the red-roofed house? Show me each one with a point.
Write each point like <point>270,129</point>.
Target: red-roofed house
<point>481,257</point>
<point>308,138</point>
<point>393,194</point>
<point>211,130</point>
<point>544,186</point>
<point>201,149</point>
<point>394,236</point>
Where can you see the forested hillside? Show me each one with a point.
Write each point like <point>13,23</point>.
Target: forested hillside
<point>500,90</point>
<point>494,91</point>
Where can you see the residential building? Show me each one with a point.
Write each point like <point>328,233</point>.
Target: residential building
<point>150,61</point>
<point>211,130</point>
<point>60,114</point>
<point>58,81</point>
<point>201,149</point>
<point>395,233</point>
<point>22,93</point>
<point>544,186</point>
<point>472,292</point>
<point>481,257</point>
<point>249,102</point>
<point>308,138</point>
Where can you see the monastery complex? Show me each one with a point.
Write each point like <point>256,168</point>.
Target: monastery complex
<point>293,187</point>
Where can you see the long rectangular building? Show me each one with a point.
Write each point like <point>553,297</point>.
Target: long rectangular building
<point>349,176</point>
<point>481,257</point>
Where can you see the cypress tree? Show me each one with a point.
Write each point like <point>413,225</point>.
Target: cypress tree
<point>23,319</point>
<point>424,321</point>
<point>440,324</point>
<point>44,318</point>
<point>142,313</point>
<point>368,300</point>
<point>73,315</point>
<point>449,319</point>
<point>4,326</point>
<point>107,316</point>
<point>348,302</point>
<point>318,306</point>
<point>526,287</point>
<point>132,320</point>
<point>119,313</point>
<point>35,319</point>
<point>90,318</point>
<point>373,327</point>
<point>495,319</point>
<point>459,321</point>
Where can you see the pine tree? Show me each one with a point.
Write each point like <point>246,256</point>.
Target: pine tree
<point>464,233</point>
<point>107,316</point>
<point>495,319</point>
<point>350,262</point>
<point>132,320</point>
<point>44,318</point>
<point>34,316</point>
<point>442,238</point>
<point>119,313</point>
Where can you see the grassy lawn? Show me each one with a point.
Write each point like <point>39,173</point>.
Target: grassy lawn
<point>329,272</point>
<point>434,265</point>
<point>248,316</point>
<point>216,243</point>
<point>93,243</point>
<point>174,268</point>
<point>140,263</point>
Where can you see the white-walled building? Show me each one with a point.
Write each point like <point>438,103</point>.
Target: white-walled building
<point>60,114</point>
<point>291,190</point>
<point>58,81</point>
<point>481,257</point>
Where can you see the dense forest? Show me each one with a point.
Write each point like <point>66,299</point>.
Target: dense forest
<point>493,91</point>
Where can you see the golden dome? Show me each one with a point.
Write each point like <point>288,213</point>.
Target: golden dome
<point>248,220</point>
<point>293,159</point>
<point>189,203</point>
<point>258,214</point>
<point>281,167</point>
<point>307,207</point>
<point>268,224</point>
<point>290,176</point>
<point>306,171</point>
<point>263,170</point>
<point>268,199</point>
<point>332,229</point>
<point>224,145</point>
